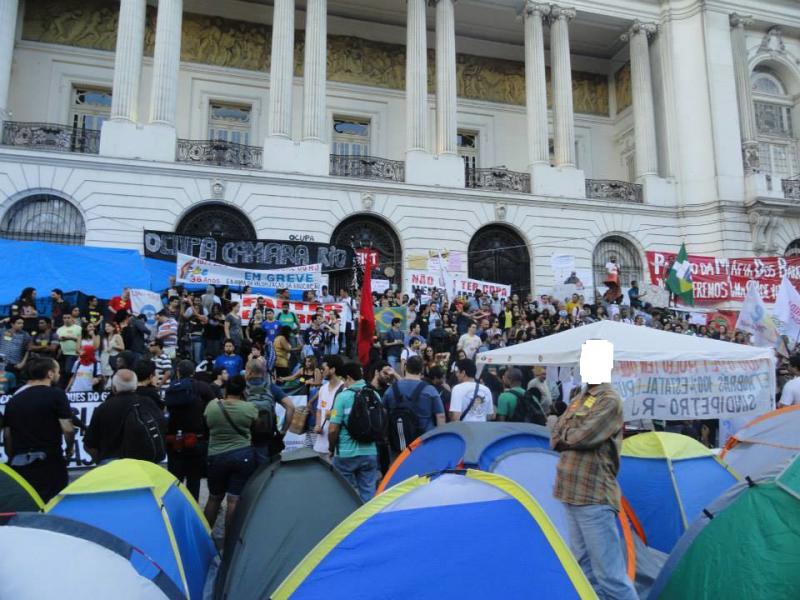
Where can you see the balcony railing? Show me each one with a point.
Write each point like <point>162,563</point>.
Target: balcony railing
<point>367,167</point>
<point>791,188</point>
<point>495,178</point>
<point>618,191</point>
<point>51,136</point>
<point>219,153</point>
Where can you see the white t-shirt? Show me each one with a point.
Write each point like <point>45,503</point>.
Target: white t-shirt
<point>408,353</point>
<point>469,344</point>
<point>461,396</point>
<point>324,406</point>
<point>791,393</point>
<point>84,374</point>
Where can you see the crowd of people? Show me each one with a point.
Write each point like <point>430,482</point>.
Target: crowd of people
<point>209,385</point>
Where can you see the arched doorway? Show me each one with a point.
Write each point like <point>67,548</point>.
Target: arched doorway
<point>793,249</point>
<point>218,220</point>
<point>628,261</point>
<point>367,231</point>
<point>499,255</point>
<point>44,218</point>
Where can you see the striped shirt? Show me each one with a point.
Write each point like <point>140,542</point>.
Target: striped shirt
<point>589,437</point>
<point>168,333</point>
<point>162,364</point>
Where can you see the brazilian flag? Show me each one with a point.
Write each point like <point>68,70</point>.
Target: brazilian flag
<point>679,280</point>
<point>384,317</point>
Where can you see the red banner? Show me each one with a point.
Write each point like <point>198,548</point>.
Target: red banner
<point>724,279</point>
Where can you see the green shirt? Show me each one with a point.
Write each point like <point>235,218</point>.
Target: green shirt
<point>288,320</point>
<point>507,402</point>
<point>69,347</point>
<point>223,437</point>
<point>348,447</point>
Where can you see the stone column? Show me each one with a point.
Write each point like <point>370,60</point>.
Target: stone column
<point>744,93</point>
<point>281,72</point>
<point>416,77</point>
<point>166,62</point>
<point>535,83</point>
<point>561,69</point>
<point>128,60</point>
<point>8,31</point>
<point>446,103</point>
<point>644,119</point>
<point>315,117</point>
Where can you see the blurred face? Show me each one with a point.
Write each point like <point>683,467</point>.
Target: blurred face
<point>472,329</point>
<point>43,325</point>
<point>67,320</point>
<point>76,313</point>
<point>229,348</point>
<point>17,325</point>
<point>55,374</point>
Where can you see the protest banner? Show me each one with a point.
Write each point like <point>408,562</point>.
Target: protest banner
<point>381,285</point>
<point>459,285</point>
<point>247,254</point>
<point>725,279</point>
<point>83,405</point>
<point>147,303</point>
<point>754,319</point>
<point>199,271</point>
<point>384,317</point>
<point>787,310</point>
<point>424,282</point>
<point>684,390</point>
<point>656,296</point>
<point>304,310</point>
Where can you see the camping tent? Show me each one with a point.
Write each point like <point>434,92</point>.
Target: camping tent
<point>766,442</point>
<point>668,479</point>
<point>441,536</point>
<point>144,505</point>
<point>535,470</point>
<point>16,494</point>
<point>463,444</point>
<point>745,545</point>
<point>286,508</point>
<point>660,374</point>
<point>53,557</point>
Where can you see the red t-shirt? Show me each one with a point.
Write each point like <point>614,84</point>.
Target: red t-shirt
<point>118,303</point>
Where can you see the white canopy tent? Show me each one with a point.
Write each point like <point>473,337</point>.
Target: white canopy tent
<point>660,374</point>
<point>631,343</point>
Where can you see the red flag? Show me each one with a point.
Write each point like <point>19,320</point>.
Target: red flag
<point>366,323</point>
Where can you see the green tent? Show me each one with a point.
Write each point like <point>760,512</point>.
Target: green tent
<point>745,545</point>
<point>16,494</point>
<point>285,509</point>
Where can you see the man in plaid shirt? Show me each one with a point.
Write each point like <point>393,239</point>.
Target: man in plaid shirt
<point>589,437</point>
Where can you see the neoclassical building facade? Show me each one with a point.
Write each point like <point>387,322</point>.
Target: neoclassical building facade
<point>503,131</point>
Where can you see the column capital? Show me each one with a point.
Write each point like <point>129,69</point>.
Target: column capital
<point>534,8</point>
<point>649,29</point>
<point>738,20</point>
<point>561,12</point>
<point>435,2</point>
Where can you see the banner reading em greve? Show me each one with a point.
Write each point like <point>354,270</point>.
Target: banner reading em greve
<point>723,279</point>
<point>198,271</point>
<point>687,390</point>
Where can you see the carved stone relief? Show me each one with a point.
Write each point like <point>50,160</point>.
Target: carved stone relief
<point>624,93</point>
<point>243,45</point>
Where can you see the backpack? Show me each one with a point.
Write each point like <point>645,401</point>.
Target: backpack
<point>403,422</point>
<point>141,434</point>
<point>180,393</point>
<point>528,408</point>
<point>366,422</point>
<point>266,425</point>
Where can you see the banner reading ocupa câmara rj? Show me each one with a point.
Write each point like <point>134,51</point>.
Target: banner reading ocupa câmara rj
<point>199,271</point>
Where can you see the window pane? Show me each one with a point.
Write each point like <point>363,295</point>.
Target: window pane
<point>772,119</point>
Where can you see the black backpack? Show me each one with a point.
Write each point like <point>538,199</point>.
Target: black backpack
<point>366,422</point>
<point>142,436</point>
<point>265,427</point>
<point>403,422</point>
<point>528,408</point>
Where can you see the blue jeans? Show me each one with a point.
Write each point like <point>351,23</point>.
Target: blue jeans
<point>394,362</point>
<point>597,546</point>
<point>361,472</point>
<point>197,350</point>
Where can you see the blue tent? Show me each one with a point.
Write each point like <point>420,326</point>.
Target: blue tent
<point>101,272</point>
<point>668,479</point>
<point>466,534</point>
<point>144,505</point>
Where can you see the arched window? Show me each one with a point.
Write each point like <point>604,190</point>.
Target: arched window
<point>44,218</point>
<point>793,249</point>
<point>628,261</point>
<point>217,220</point>
<point>366,231</point>
<point>499,255</point>
<point>777,141</point>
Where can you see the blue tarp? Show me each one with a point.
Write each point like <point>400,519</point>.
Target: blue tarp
<point>101,272</point>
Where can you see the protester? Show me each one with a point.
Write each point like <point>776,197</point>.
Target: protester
<point>267,437</point>
<point>790,394</point>
<point>58,308</point>
<point>219,380</point>
<point>231,456</point>
<point>146,382</point>
<point>230,361</point>
<point>283,349</point>
<point>35,421</point>
<point>331,367</point>
<point>167,333</point>
<point>161,363</point>
<point>86,372</point>
<point>470,342</point>
<point>539,382</point>
<point>187,439</point>
<point>393,342</point>
<point>135,333</point>
<point>69,337</point>
<point>110,434</point>
<point>15,345</point>
<point>356,461</point>
<point>470,400</point>
<point>507,401</point>
<point>111,345</point>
